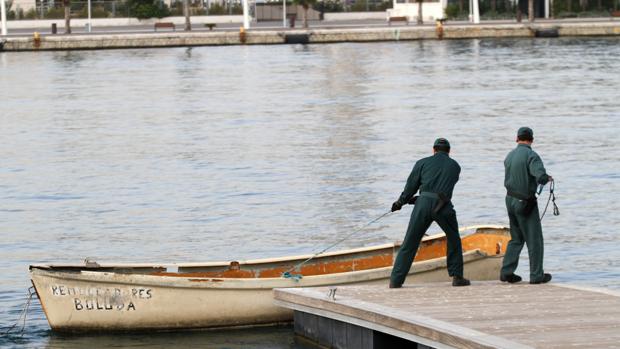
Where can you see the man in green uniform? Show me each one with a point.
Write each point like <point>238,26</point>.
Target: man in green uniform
<point>435,177</point>
<point>524,171</point>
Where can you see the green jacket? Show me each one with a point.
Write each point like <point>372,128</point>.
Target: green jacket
<point>437,174</point>
<point>524,171</point>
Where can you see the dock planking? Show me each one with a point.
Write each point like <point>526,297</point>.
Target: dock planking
<point>484,315</point>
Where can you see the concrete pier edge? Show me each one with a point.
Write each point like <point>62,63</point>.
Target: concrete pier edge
<point>310,36</point>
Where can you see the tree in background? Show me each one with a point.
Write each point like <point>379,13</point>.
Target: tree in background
<point>67,6</point>
<point>305,4</point>
<point>143,9</point>
<point>329,6</point>
<point>188,23</point>
<point>10,14</point>
<point>420,18</point>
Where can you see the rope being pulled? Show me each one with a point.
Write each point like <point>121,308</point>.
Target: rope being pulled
<point>23,314</point>
<point>297,277</point>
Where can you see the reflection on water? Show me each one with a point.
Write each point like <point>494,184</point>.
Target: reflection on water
<point>220,153</point>
<point>263,337</point>
<point>267,338</point>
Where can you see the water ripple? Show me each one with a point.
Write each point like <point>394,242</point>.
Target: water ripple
<point>263,151</point>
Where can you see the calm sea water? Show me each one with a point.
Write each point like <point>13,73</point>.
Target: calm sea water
<point>222,153</point>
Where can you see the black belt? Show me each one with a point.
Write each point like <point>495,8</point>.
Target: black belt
<point>520,196</point>
<point>429,194</point>
<point>442,199</point>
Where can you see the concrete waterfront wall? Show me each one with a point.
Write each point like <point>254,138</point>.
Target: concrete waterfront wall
<point>401,33</point>
<point>589,29</point>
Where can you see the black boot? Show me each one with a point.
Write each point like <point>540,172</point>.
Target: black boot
<point>393,285</point>
<point>546,278</point>
<point>460,281</point>
<point>510,278</point>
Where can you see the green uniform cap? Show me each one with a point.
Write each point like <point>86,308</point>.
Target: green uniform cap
<point>441,142</point>
<point>525,132</point>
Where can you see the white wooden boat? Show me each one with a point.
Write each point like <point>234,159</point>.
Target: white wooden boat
<point>133,297</point>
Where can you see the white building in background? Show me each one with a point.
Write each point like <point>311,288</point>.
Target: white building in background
<point>24,5</point>
<point>431,9</point>
<point>435,9</point>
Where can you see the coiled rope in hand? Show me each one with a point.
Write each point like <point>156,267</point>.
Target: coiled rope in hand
<point>556,210</point>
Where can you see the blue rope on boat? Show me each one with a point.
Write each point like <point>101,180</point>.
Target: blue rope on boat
<point>288,275</point>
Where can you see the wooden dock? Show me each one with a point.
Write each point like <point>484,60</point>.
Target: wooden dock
<point>485,315</point>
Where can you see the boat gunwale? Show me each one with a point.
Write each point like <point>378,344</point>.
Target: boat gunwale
<point>250,283</point>
<point>291,258</point>
<point>261,261</point>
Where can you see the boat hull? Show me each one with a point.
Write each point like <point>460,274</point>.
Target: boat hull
<point>103,301</point>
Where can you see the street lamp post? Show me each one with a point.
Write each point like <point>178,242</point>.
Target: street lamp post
<point>90,25</point>
<point>246,15</point>
<point>284,13</point>
<point>188,23</point>
<point>476,12</point>
<point>3,15</point>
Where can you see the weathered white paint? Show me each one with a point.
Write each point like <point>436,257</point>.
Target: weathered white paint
<point>90,300</point>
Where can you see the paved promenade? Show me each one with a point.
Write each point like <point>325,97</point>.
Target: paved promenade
<point>278,25</point>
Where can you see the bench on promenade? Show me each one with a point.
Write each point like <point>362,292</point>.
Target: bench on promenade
<point>161,25</point>
<point>210,25</point>
<point>398,19</point>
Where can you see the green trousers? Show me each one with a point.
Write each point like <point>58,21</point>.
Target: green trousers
<point>524,229</point>
<point>421,218</point>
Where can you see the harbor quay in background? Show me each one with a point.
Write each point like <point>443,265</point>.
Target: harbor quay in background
<point>485,315</point>
<point>38,42</point>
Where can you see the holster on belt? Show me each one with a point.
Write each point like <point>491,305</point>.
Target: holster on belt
<point>442,200</point>
<point>530,202</point>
